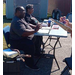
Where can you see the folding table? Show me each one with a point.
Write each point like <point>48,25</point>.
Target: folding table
<point>59,33</point>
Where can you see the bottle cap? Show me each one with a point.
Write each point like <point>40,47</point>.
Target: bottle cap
<point>49,21</point>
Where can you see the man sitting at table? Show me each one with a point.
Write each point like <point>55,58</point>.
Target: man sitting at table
<point>21,35</point>
<point>32,20</point>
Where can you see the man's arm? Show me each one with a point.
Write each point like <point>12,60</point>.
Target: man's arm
<point>30,31</point>
<point>66,21</point>
<point>33,26</point>
<point>20,29</point>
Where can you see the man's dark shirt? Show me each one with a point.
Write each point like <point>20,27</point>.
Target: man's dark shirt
<point>30,19</point>
<point>18,27</point>
<point>38,39</point>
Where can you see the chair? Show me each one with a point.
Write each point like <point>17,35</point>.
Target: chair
<point>6,31</point>
<point>68,62</point>
<point>7,66</point>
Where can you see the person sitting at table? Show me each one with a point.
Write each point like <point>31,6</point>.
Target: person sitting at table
<point>22,34</point>
<point>32,20</point>
<point>56,14</point>
<point>66,21</point>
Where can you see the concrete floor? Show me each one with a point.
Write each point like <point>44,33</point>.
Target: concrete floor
<point>48,65</point>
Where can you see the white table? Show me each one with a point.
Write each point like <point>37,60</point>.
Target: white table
<point>53,32</point>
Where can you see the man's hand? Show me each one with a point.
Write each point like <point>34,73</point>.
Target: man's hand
<point>67,23</point>
<point>23,55</point>
<point>16,50</point>
<point>62,19</point>
<point>38,27</point>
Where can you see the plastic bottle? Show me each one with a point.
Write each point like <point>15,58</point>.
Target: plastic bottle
<point>49,22</point>
<point>64,21</point>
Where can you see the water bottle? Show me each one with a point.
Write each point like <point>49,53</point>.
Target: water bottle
<point>49,22</point>
<point>64,21</point>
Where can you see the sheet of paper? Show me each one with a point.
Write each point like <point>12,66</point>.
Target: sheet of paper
<point>58,32</point>
<point>44,30</point>
<point>55,27</point>
<point>44,25</point>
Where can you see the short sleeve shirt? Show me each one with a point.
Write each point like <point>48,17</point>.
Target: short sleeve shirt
<point>18,27</point>
<point>30,19</point>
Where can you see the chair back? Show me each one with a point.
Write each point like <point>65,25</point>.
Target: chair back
<point>6,31</point>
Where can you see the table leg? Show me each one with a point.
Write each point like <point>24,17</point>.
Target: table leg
<point>49,38</point>
<point>54,52</point>
<point>60,44</point>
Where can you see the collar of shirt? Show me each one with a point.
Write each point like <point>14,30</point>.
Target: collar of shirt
<point>28,15</point>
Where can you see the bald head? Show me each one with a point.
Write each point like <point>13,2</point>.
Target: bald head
<point>20,12</point>
<point>19,8</point>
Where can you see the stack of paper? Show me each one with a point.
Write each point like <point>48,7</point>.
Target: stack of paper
<point>55,27</point>
<point>44,30</point>
<point>44,25</point>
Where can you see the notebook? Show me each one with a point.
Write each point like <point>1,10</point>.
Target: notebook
<point>44,30</point>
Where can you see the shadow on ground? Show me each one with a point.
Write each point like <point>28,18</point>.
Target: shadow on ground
<point>45,65</point>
